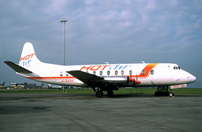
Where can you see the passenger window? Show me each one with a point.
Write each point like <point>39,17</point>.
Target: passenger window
<point>143,72</point>
<point>152,72</point>
<point>108,72</point>
<point>61,74</point>
<point>116,72</point>
<point>66,73</point>
<point>130,72</point>
<point>101,72</point>
<point>94,72</point>
<point>122,72</point>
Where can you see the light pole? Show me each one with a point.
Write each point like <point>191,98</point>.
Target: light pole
<point>64,36</point>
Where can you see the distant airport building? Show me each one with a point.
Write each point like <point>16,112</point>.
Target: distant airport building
<point>24,85</point>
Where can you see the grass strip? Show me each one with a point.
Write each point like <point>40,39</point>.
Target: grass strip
<point>183,91</point>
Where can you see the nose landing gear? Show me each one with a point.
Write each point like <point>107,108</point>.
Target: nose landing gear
<point>163,91</point>
<point>171,93</point>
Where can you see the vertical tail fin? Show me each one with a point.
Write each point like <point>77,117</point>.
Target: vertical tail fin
<point>3,84</point>
<point>28,57</point>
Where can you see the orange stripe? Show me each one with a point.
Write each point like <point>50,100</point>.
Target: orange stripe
<point>147,70</point>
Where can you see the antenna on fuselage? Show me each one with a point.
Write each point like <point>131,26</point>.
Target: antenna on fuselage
<point>107,63</point>
<point>142,62</point>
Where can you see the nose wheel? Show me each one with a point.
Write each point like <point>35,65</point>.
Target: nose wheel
<point>171,94</point>
<point>163,91</point>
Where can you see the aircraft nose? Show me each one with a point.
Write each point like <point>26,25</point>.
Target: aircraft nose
<point>186,77</point>
<point>192,78</point>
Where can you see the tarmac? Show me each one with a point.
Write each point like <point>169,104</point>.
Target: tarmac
<point>87,113</point>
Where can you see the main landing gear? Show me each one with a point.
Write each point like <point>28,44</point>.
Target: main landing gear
<point>99,91</point>
<point>110,93</point>
<point>163,91</point>
<point>99,94</point>
<point>171,94</point>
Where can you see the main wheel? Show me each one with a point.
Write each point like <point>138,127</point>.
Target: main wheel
<point>99,94</point>
<point>110,93</point>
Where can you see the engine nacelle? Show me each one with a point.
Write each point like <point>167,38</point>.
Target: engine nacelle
<point>116,79</point>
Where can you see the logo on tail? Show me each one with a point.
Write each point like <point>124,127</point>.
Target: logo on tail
<point>25,61</point>
<point>28,57</point>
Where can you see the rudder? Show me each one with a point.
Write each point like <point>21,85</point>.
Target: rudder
<point>28,57</point>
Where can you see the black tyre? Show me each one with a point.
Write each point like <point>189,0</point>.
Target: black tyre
<point>99,94</point>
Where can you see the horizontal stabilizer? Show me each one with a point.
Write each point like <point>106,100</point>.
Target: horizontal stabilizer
<point>83,76</point>
<point>16,67</point>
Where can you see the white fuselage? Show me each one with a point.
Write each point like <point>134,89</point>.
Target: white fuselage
<point>154,74</point>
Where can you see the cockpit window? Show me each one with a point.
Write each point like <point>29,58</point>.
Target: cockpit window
<point>176,68</point>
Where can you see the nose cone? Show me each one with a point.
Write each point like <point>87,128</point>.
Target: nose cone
<point>192,78</point>
<point>185,77</point>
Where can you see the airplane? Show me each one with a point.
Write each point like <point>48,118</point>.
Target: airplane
<point>2,84</point>
<point>54,86</point>
<point>102,77</point>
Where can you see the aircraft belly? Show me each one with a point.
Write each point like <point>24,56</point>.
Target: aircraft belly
<point>163,81</point>
<point>145,82</point>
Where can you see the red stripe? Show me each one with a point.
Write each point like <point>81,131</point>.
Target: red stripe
<point>40,78</point>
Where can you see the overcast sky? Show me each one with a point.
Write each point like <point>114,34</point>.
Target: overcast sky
<point>98,31</point>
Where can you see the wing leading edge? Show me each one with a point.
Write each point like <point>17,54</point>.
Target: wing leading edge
<point>85,77</point>
<point>93,80</point>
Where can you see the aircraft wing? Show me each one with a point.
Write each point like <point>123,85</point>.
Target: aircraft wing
<point>85,77</point>
<point>16,67</point>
